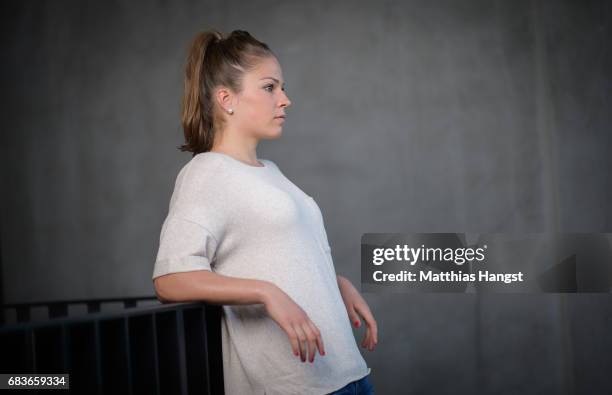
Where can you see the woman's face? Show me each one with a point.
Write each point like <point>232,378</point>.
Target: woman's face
<point>258,107</point>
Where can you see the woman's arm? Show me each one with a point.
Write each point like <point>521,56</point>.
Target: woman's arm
<point>204,285</point>
<point>213,288</point>
<point>356,306</point>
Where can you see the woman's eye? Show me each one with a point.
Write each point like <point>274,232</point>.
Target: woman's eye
<point>271,87</point>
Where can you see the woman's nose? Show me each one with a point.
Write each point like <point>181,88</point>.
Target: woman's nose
<point>286,102</point>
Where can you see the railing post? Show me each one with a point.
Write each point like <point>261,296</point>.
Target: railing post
<point>58,310</point>
<point>23,314</point>
<point>93,307</point>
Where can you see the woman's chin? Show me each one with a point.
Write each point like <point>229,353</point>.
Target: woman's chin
<point>270,133</point>
<point>274,134</point>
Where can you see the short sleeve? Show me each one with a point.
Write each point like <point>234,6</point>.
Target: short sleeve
<point>184,246</point>
<point>194,226</point>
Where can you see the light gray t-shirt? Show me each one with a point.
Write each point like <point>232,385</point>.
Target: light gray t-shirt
<point>252,222</point>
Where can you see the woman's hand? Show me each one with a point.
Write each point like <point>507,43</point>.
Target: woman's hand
<point>294,321</point>
<point>356,306</point>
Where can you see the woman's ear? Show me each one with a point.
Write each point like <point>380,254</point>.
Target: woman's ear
<point>224,98</point>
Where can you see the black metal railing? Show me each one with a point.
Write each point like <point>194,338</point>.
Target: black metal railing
<point>156,349</point>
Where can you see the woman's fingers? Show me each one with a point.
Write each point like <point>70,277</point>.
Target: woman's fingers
<point>366,338</point>
<point>308,340</point>
<point>369,339</point>
<point>354,317</point>
<point>296,324</point>
<point>371,336</point>
<point>370,321</point>
<point>311,338</point>
<point>293,338</point>
<point>301,340</point>
<point>319,339</point>
<point>371,343</point>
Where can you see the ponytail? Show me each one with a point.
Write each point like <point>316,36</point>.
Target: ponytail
<point>214,61</point>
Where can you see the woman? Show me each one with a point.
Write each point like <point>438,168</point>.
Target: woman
<point>240,234</point>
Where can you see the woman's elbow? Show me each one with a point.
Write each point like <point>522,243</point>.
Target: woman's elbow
<point>158,285</point>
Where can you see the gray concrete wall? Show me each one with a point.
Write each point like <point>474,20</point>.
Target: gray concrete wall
<point>414,116</point>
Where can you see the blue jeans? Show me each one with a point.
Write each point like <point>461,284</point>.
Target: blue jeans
<point>357,387</point>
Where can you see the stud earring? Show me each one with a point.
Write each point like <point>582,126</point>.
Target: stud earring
<point>231,111</point>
